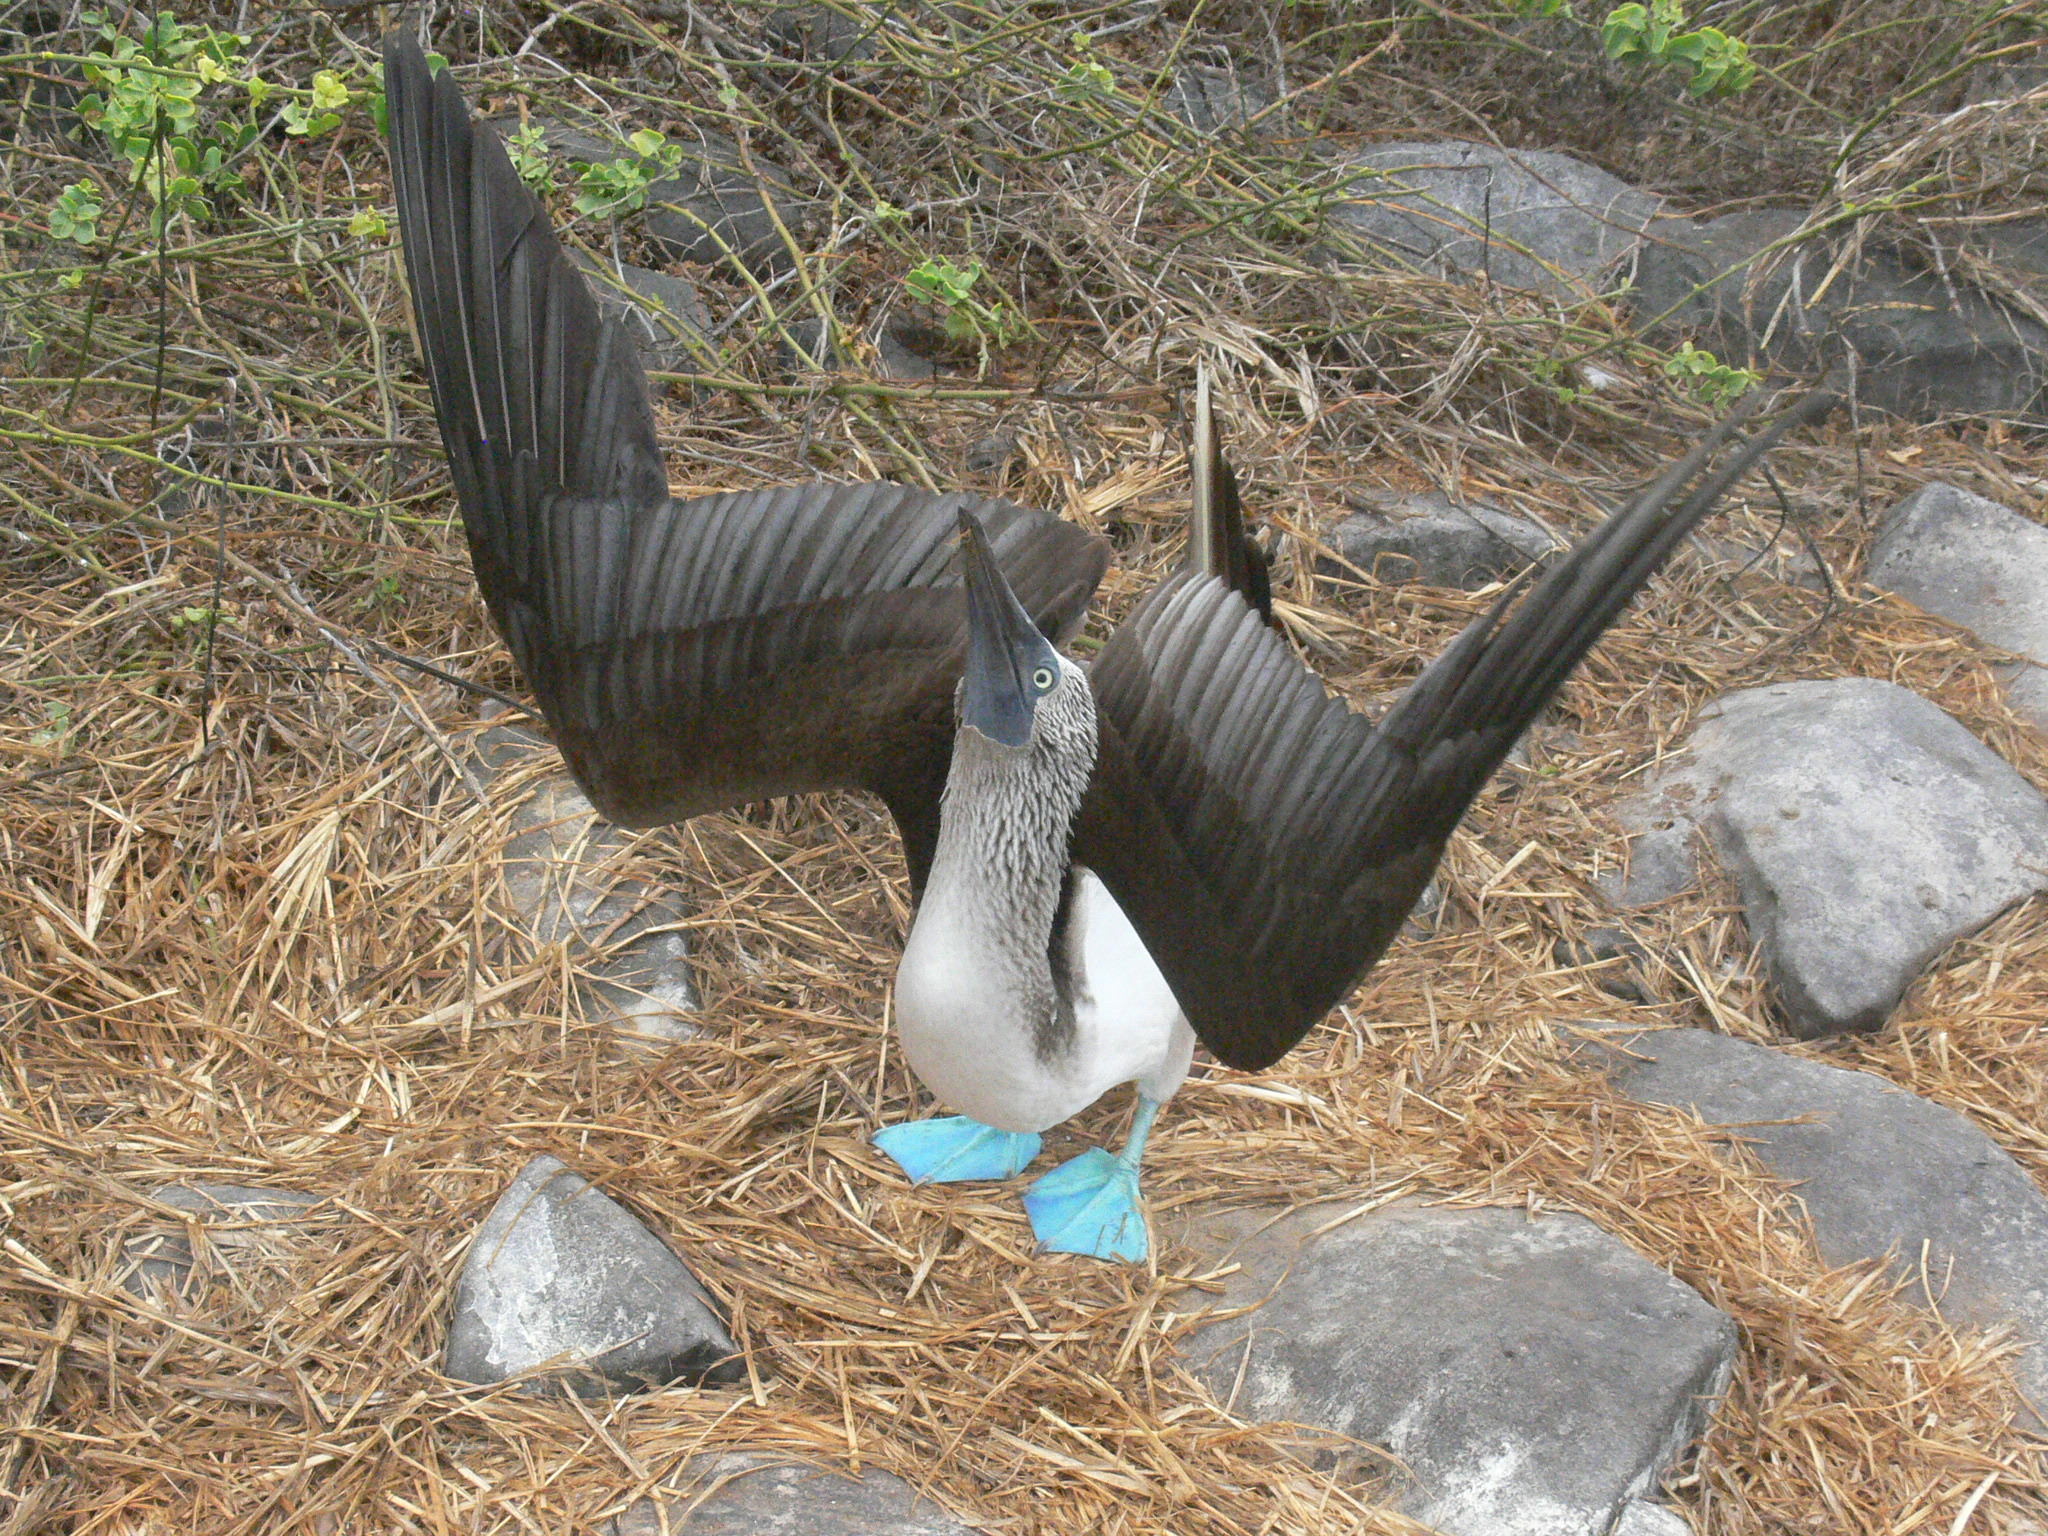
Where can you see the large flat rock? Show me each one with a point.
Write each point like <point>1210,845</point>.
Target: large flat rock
<point>1867,831</point>
<point>1534,1376</point>
<point>1883,1173</point>
<point>1525,218</point>
<point>563,1277</point>
<point>1432,539</point>
<point>1924,342</point>
<point>244,1230</point>
<point>1967,559</point>
<point>745,1495</point>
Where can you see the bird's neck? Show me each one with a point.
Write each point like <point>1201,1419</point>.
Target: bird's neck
<point>1005,837</point>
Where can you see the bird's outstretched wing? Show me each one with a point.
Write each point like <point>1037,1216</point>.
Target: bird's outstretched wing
<point>689,655</point>
<point>1265,841</point>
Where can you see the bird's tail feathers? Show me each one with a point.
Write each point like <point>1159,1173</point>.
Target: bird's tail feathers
<point>1217,540</point>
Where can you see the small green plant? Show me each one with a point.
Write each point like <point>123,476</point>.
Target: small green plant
<point>620,186</point>
<point>75,215</point>
<point>985,322</point>
<point>145,100</point>
<point>384,594</point>
<point>886,212</point>
<point>368,224</point>
<point>57,729</point>
<point>162,99</point>
<point>1719,65</point>
<point>527,149</point>
<point>1712,382</point>
<point>195,621</point>
<point>1086,78</point>
<point>1550,373</point>
<point>319,112</point>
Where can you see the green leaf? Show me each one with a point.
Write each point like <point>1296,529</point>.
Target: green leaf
<point>1085,78</point>
<point>1622,33</point>
<point>329,93</point>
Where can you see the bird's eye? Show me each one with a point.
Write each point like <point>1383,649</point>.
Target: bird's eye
<point>1042,679</point>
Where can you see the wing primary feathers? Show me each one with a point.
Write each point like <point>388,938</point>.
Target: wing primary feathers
<point>1265,841</point>
<point>688,655</point>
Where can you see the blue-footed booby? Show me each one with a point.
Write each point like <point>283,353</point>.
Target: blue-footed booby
<point>1186,840</point>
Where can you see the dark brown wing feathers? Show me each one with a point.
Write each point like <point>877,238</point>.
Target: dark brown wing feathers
<point>689,655</point>
<point>1265,841</point>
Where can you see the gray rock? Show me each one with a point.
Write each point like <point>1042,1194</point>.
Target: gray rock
<point>1881,1172</point>
<point>564,882</point>
<point>993,454</point>
<point>1212,100</point>
<point>1526,218</point>
<point>1431,539</point>
<point>243,1227</point>
<point>563,1277</point>
<point>2002,82</point>
<point>807,348</point>
<point>1642,1518</point>
<point>1618,954</point>
<point>718,209</point>
<point>1975,563</point>
<point>714,202</point>
<point>820,35</point>
<point>1922,343</point>
<point>2019,246</point>
<point>663,313</point>
<point>1532,1375</point>
<point>1661,861</point>
<point>1866,829</point>
<point>566,141</point>
<point>903,348</point>
<point>757,1497</point>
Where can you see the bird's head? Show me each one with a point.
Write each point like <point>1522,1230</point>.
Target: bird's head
<point>1017,689</point>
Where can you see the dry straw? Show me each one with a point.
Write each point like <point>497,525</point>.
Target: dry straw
<point>252,930</point>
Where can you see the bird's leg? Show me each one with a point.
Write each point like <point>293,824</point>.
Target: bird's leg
<point>1090,1205</point>
<point>954,1148</point>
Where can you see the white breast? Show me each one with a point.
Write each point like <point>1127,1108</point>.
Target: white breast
<point>964,1014</point>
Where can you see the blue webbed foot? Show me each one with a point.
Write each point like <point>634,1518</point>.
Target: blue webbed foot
<point>1090,1205</point>
<point>955,1148</point>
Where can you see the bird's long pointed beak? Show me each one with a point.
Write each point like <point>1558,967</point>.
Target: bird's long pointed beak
<point>1004,648</point>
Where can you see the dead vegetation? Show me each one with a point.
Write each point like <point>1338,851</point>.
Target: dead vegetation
<point>249,921</point>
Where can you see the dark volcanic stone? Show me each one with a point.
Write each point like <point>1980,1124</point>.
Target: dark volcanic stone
<point>1215,100</point>
<point>717,205</point>
<point>993,454</point>
<point>663,313</point>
